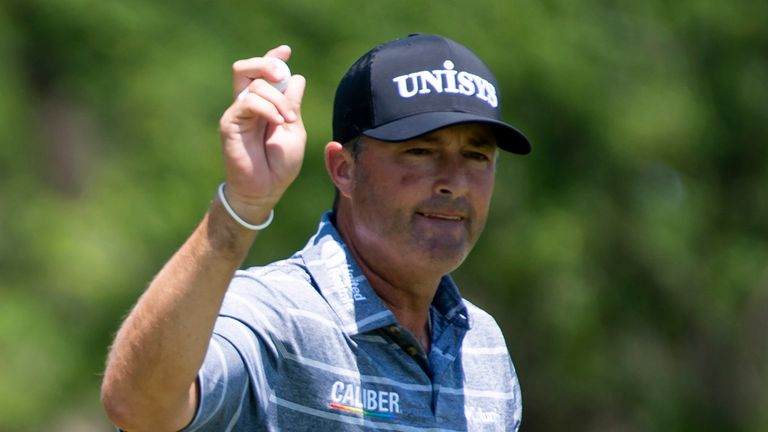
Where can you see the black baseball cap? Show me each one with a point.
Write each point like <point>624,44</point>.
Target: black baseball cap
<point>412,86</point>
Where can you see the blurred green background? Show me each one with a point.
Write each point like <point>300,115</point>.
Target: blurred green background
<point>626,258</point>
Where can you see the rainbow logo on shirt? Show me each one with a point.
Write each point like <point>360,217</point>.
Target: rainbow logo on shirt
<point>353,398</point>
<point>357,410</point>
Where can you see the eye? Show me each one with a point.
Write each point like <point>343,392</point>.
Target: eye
<point>418,151</point>
<point>478,156</point>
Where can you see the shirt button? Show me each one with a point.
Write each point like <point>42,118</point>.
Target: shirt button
<point>412,351</point>
<point>393,329</point>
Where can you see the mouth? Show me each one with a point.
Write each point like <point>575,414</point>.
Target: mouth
<point>441,216</point>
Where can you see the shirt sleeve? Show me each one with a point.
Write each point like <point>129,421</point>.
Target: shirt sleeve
<point>232,380</point>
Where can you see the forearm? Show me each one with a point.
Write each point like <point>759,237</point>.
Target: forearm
<point>160,347</point>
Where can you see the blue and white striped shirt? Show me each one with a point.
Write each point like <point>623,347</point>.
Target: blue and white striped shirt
<point>306,344</point>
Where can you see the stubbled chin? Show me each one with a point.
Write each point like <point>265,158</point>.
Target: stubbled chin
<point>442,249</point>
<point>446,260</point>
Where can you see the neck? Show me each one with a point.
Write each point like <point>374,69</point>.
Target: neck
<point>407,294</point>
<point>409,304</point>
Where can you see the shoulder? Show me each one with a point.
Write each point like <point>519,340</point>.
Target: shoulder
<point>491,384</point>
<point>282,274</point>
<point>483,328</point>
<point>272,288</point>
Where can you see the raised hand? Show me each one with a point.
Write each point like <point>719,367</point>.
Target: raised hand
<point>262,135</point>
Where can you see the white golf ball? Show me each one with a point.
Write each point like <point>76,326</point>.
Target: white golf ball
<point>285,72</point>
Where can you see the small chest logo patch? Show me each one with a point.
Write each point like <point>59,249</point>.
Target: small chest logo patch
<point>356,399</point>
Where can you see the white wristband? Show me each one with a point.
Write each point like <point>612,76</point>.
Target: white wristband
<point>240,220</point>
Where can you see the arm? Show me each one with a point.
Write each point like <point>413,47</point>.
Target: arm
<point>150,378</point>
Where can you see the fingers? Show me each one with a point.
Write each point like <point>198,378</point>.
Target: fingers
<point>247,70</point>
<point>283,52</point>
<point>252,80</point>
<point>244,72</point>
<point>261,99</point>
<point>294,94</point>
<point>261,103</point>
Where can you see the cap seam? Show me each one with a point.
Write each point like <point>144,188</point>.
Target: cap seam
<point>374,113</point>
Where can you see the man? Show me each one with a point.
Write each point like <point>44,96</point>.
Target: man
<point>363,329</point>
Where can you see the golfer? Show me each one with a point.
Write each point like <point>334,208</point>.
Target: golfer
<point>362,329</point>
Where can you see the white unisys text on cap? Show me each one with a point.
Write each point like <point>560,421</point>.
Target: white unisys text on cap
<point>446,80</point>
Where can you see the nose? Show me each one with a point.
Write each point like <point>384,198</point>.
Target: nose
<point>452,177</point>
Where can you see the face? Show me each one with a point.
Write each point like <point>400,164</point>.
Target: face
<point>423,202</point>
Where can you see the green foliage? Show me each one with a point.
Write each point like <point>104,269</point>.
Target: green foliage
<point>626,258</point>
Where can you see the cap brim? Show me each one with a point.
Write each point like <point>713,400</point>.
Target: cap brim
<point>508,138</point>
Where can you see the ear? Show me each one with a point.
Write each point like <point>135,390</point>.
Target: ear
<point>339,163</point>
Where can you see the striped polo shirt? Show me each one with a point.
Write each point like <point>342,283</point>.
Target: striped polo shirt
<point>305,344</point>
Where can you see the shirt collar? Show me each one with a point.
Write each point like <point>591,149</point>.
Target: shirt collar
<point>347,291</point>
